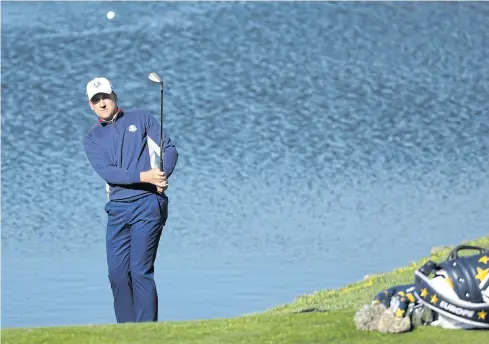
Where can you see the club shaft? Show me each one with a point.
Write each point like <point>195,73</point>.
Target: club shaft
<point>162,168</point>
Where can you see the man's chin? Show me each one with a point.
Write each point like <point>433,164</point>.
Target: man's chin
<point>105,115</point>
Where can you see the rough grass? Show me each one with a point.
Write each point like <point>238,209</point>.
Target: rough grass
<point>290,323</point>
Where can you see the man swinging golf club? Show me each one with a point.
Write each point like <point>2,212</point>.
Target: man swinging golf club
<point>122,148</point>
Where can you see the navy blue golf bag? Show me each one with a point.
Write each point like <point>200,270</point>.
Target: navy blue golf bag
<point>452,294</point>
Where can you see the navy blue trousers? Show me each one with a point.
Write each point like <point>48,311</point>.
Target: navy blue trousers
<point>133,235</point>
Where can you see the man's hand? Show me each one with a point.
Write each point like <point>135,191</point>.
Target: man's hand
<point>155,177</point>
<point>160,189</point>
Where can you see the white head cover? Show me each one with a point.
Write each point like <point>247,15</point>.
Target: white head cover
<point>98,85</point>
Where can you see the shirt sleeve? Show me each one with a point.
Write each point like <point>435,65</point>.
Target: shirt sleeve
<point>170,153</point>
<point>108,172</point>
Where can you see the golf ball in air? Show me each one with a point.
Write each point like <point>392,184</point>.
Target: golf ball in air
<point>110,15</point>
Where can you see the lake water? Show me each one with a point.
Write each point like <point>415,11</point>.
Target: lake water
<point>319,142</point>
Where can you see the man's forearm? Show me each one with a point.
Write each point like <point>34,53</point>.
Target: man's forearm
<point>170,159</point>
<point>111,174</point>
<point>116,175</point>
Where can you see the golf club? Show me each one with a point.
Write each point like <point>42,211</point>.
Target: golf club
<point>155,78</point>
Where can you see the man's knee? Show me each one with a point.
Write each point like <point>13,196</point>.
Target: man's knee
<point>117,277</point>
<point>142,274</point>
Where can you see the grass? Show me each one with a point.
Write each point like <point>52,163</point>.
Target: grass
<point>290,323</point>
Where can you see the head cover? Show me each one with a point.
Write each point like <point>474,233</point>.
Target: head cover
<point>99,85</point>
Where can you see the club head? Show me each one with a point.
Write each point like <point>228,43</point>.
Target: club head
<point>155,78</point>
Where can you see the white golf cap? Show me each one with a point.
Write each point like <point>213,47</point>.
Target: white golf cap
<point>98,85</point>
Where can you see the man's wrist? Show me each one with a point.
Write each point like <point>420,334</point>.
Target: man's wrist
<point>142,177</point>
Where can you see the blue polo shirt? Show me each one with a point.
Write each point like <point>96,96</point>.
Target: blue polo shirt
<point>121,149</point>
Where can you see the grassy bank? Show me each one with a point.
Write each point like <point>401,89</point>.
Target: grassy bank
<point>292,323</point>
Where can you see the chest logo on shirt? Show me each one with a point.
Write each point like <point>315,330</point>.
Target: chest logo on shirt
<point>132,128</point>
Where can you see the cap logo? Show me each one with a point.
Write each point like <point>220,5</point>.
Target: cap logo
<point>96,83</point>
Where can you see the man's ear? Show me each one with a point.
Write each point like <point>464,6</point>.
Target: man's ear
<point>91,105</point>
<point>114,96</point>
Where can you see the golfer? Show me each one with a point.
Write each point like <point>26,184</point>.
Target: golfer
<point>123,149</point>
